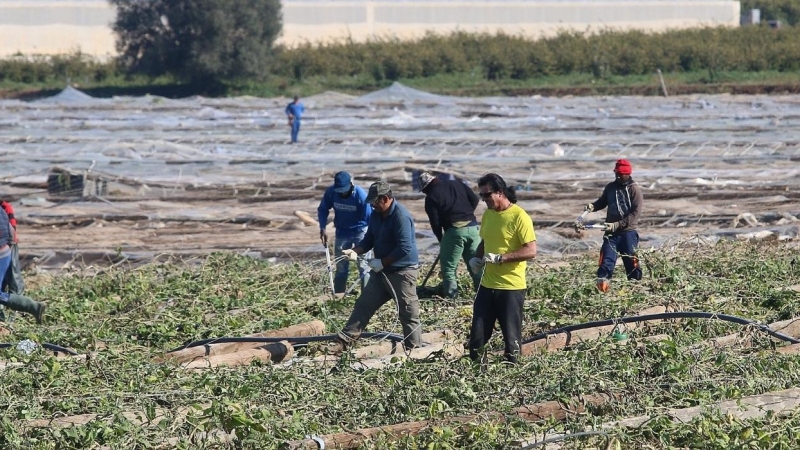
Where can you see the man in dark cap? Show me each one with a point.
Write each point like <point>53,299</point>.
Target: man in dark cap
<point>623,197</point>
<point>391,237</point>
<point>352,212</point>
<point>450,205</point>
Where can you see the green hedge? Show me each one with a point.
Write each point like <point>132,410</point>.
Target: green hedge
<point>496,57</point>
<point>41,69</point>
<point>503,56</point>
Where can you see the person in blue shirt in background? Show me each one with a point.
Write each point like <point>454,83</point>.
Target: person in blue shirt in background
<point>351,218</point>
<point>294,111</point>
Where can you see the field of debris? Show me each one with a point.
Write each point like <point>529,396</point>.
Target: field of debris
<point>187,177</point>
<point>187,288</point>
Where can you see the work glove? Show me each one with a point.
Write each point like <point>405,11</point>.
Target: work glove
<point>350,254</point>
<point>323,237</point>
<point>493,258</point>
<point>375,264</point>
<point>611,227</point>
<point>476,264</point>
<point>589,207</point>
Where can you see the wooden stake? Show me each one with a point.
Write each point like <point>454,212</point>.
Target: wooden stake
<point>275,352</point>
<point>313,328</point>
<point>531,413</point>
<point>663,85</point>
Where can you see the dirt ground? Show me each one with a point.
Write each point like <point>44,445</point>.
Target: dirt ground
<point>185,178</point>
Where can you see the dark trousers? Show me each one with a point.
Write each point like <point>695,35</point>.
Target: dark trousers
<point>381,288</point>
<point>499,305</point>
<point>625,244</point>
<point>13,282</point>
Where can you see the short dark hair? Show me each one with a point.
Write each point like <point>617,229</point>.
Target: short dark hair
<point>498,184</point>
<point>296,98</point>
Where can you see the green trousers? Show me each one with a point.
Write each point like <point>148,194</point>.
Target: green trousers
<point>457,243</point>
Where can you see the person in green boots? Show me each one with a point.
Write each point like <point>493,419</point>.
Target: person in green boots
<point>450,205</point>
<point>10,300</point>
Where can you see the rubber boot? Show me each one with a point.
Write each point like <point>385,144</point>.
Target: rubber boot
<point>25,304</point>
<point>448,289</point>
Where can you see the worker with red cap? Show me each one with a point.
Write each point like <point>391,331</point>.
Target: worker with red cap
<point>623,197</point>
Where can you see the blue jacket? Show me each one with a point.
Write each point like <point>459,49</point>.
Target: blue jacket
<point>394,236</point>
<point>6,235</point>
<point>352,213</point>
<point>296,110</point>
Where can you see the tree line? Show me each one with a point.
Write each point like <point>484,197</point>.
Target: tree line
<point>208,42</point>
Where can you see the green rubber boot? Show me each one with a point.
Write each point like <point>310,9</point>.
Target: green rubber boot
<point>448,289</point>
<point>27,305</point>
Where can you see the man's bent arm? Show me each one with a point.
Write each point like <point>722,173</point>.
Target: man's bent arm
<point>524,253</point>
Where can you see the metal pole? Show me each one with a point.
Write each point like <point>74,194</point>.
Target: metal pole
<point>330,270</point>
<point>436,261</point>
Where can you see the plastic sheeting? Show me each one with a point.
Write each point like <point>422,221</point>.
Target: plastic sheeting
<point>682,148</point>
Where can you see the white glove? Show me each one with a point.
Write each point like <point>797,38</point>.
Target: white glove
<point>589,207</point>
<point>375,264</point>
<point>350,254</point>
<point>612,227</point>
<point>493,258</point>
<point>476,264</point>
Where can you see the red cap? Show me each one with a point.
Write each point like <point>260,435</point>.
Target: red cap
<point>623,167</point>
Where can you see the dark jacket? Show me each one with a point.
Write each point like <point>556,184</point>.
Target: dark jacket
<point>6,206</point>
<point>448,202</point>
<point>624,202</point>
<point>392,235</point>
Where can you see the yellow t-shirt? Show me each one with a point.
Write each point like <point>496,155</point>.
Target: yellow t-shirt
<point>503,232</point>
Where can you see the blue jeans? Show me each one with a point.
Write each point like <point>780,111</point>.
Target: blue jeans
<point>295,129</point>
<point>625,244</point>
<point>5,263</point>
<point>343,266</point>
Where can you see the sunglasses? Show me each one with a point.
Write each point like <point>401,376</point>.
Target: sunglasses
<point>485,195</point>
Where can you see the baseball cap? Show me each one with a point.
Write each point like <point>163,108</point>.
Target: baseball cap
<point>341,182</point>
<point>377,189</point>
<point>425,179</point>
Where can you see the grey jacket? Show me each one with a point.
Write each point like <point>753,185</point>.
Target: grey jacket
<point>624,202</point>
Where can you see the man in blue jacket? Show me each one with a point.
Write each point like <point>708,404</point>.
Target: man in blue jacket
<point>351,217</point>
<point>294,111</point>
<point>395,269</point>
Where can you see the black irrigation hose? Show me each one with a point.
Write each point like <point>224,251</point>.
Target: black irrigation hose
<point>385,335</point>
<point>48,346</point>
<point>568,436</point>
<point>669,315</point>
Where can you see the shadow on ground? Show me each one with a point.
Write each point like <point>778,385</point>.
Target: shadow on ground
<point>161,90</point>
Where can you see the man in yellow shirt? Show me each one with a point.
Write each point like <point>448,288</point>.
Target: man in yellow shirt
<point>508,241</point>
